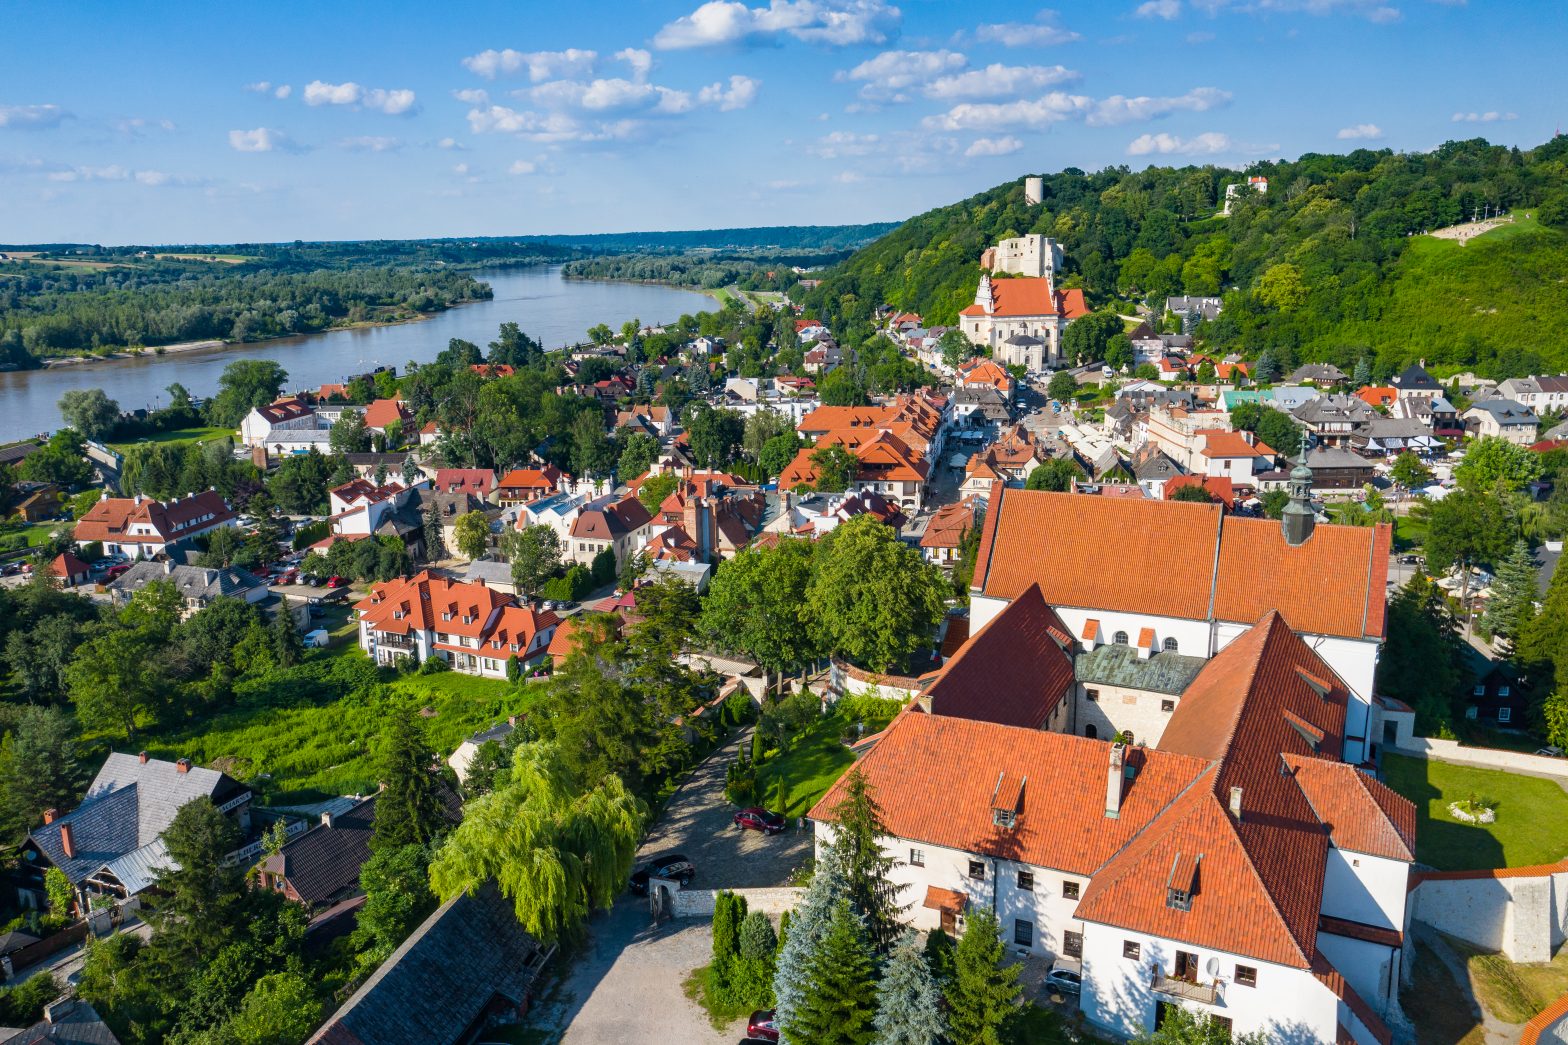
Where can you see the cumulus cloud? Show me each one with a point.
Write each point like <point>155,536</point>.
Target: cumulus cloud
<point>396,102</point>
<point>260,87</point>
<point>450,143</point>
<point>741,92</point>
<point>1030,113</point>
<point>1121,109</point>
<point>641,61</point>
<point>998,81</point>
<point>1373,10</point>
<point>845,143</point>
<point>889,74</point>
<point>1166,9</point>
<point>115,172</point>
<point>32,117</point>
<point>547,127</point>
<point>1042,32</point>
<point>836,23</point>
<point>137,126</point>
<point>538,65</point>
<point>522,167</point>
<point>1003,146</point>
<point>1366,131</point>
<point>473,96</point>
<point>1164,144</point>
<point>283,91</point>
<point>369,143</point>
<point>1459,117</point>
<point>262,139</point>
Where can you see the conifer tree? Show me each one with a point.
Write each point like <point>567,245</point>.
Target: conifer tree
<point>909,1005</point>
<point>435,546</point>
<point>984,993</point>
<point>858,840</point>
<point>754,973</point>
<point>409,810</point>
<point>1512,605</point>
<point>807,925</point>
<point>839,1001</point>
<point>286,645</point>
<point>1362,375</point>
<point>939,956</point>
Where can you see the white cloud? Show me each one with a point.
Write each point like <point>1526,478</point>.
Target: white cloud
<point>1373,10</point>
<point>115,172</point>
<point>450,143</point>
<point>641,61</point>
<point>283,91</point>
<point>999,81</point>
<point>1459,117</point>
<point>541,127</point>
<point>540,65</point>
<point>741,92</point>
<point>1202,145</point>
<point>392,102</point>
<point>1366,131</point>
<point>369,143</point>
<point>137,126</point>
<point>522,167</point>
<point>1166,9</point>
<point>849,177</point>
<point>32,117</point>
<point>262,139</point>
<point>1121,109</point>
<point>1025,113</point>
<point>1003,146</point>
<point>1042,32</point>
<point>153,178</point>
<point>473,96</point>
<point>259,87</point>
<point>845,143</point>
<point>890,73</point>
<point>834,22</point>
<point>459,168</point>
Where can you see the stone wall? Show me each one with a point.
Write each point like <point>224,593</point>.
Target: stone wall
<point>846,678</point>
<point>1521,912</point>
<point>1483,757</point>
<point>699,903</point>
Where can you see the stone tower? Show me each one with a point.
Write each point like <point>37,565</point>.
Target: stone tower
<point>1299,518</point>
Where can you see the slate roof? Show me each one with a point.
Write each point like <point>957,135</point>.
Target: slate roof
<point>197,583</point>
<point>75,1023</point>
<point>1012,671</point>
<point>1112,664</point>
<point>1415,378</point>
<point>439,982</point>
<point>324,862</point>
<point>1506,411</point>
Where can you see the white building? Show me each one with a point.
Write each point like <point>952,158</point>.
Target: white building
<point>1026,306</point>
<point>1034,255</point>
<point>1541,394</point>
<point>471,627</point>
<point>1502,419</point>
<point>140,527</point>
<point>282,422</point>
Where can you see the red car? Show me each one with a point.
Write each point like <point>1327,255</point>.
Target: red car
<point>762,1026</point>
<point>334,582</point>
<point>758,819</point>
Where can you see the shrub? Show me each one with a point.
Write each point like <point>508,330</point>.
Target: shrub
<point>740,782</point>
<point>23,1004</point>
<point>434,666</point>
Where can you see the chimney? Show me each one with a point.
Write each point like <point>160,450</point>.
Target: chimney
<point>67,841</point>
<point>58,1009</point>
<point>183,765</point>
<point>1113,783</point>
<point>326,818</point>
<point>1235,802</point>
<point>51,815</point>
<point>511,720</point>
<point>168,567</point>
<point>141,756</point>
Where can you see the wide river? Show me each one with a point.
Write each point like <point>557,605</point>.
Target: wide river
<point>554,310</point>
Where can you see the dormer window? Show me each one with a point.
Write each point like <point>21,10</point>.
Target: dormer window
<point>1120,638</point>
<point>1183,882</point>
<point>1006,799</point>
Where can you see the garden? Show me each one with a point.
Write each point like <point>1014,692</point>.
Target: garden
<point>1529,822</point>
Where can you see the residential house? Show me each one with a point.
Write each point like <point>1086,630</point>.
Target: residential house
<point>66,1021</point>
<point>1390,436</point>
<point>382,414</point>
<point>480,482</point>
<point>368,466</point>
<point>1180,432</point>
<point>16,453</point>
<point>1436,412</point>
<point>523,485</point>
<point>112,843</point>
<point>474,629</point>
<point>140,527</point>
<point>558,511</point>
<point>1220,488</point>
<point>1379,397</point>
<point>706,518</point>
<point>1496,698</point>
<point>1503,419</point>
<point>945,532</point>
<point>1318,374</point>
<point>979,409</point>
<point>360,508</point>
<point>1544,394</point>
<point>1152,469</point>
<point>659,421</point>
<point>39,502</point>
<point>466,965</point>
<point>1335,420</point>
<point>1414,381</point>
<point>1237,456</point>
<point>463,757</point>
<point>888,465</point>
<point>320,866</point>
<point>287,425</point>
<point>608,523</point>
<point>987,373</point>
<point>1334,470</point>
<point>69,570</point>
<point>1194,310</point>
<point>197,585</point>
<point>813,515</point>
<point>1009,460</point>
<point>1031,306</point>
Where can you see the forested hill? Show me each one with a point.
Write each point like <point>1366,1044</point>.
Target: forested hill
<point>1329,265</point>
<point>775,237</point>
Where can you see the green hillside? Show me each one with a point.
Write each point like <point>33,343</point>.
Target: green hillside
<point>1329,265</point>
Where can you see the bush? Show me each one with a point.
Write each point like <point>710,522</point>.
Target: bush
<point>23,1004</point>
<point>434,666</point>
<point>310,533</point>
<point>740,782</point>
<point>603,571</point>
<point>577,583</point>
<point>738,708</point>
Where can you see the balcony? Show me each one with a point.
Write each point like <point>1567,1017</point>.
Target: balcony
<point>1185,989</point>
<point>403,642</point>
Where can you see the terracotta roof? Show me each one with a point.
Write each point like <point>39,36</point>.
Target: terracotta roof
<point>425,602</point>
<point>1544,1019</point>
<point>949,525</point>
<point>1220,487</point>
<point>1013,671</point>
<point>1360,931</point>
<point>1377,395</point>
<point>286,409</point>
<point>923,774</point>
<point>1335,981</point>
<point>1179,559</point>
<point>545,478</point>
<point>383,412</point>
<point>982,371</point>
<point>1362,814</point>
<point>67,565</point>
<point>606,522</point>
<point>949,900</point>
<point>1030,296</point>
<point>477,481</point>
<point>111,518</point>
<point>1220,443</point>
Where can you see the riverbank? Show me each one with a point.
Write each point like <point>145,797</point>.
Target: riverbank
<point>717,296</point>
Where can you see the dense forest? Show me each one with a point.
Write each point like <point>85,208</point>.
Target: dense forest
<point>1329,264</point>
<point>774,237</point>
<point>752,270</point>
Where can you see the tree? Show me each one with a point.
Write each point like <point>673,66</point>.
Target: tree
<point>1282,287</point>
<point>756,604</point>
<point>601,334</point>
<point>435,543</point>
<point>40,768</point>
<point>984,993</point>
<point>956,348</point>
<point>57,887</point>
<point>838,1004</point>
<point>1421,660</point>
<point>1512,605</point>
<point>409,810</point>
<point>875,599</point>
<point>472,533</point>
<point>1119,355</point>
<point>287,648</point>
<point>1465,529</point>
<point>40,655</point>
<point>490,762</point>
<point>396,884</point>
<point>807,926</point>
<point>592,451</point>
<point>281,1009</point>
<point>778,452</point>
<point>656,488</point>
<point>1492,463</point>
<point>715,437</point>
<point>112,681</point>
<point>909,1005</point>
<point>1410,471</point>
<point>556,846</point>
<point>638,452</point>
<point>193,913</point>
<point>1361,377</point>
<point>840,387</point>
<point>1193,492</point>
<point>1554,717</point>
<point>1182,1026</point>
<point>836,468</point>
<point>535,555</point>
<point>1056,475</point>
<point>245,384</point>
<point>1063,386</point>
<point>1542,644</point>
<point>1207,375</point>
<point>1087,338</point>
<point>762,427</point>
<point>1146,372</point>
<point>89,411</point>
<point>349,434</point>
<point>857,839</point>
<point>1267,370</point>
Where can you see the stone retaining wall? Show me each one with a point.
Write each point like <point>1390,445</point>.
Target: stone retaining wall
<point>1483,757</point>
<point>1521,912</point>
<point>699,903</point>
<point>846,678</point>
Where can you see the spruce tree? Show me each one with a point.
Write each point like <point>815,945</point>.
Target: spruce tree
<point>909,1005</point>
<point>804,931</point>
<point>984,993</point>
<point>435,547</point>
<point>839,1001</point>
<point>286,645</point>
<point>754,972</point>
<point>409,810</point>
<point>1512,605</point>
<point>939,956</point>
<point>1362,376</point>
<point>858,840</point>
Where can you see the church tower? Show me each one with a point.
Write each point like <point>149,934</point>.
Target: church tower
<point>1298,518</point>
<point>983,296</point>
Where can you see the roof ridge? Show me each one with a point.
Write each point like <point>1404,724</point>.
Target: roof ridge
<point>1252,866</point>
<point>1158,817</point>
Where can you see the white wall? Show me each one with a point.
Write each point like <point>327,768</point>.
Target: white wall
<point>1371,969</point>
<point>1366,889</point>
<point>1119,709</point>
<point>1522,916</point>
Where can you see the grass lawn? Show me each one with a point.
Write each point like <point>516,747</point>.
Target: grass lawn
<point>176,435</point>
<point>1436,1005</point>
<point>1532,815</point>
<point>1510,991</point>
<point>36,533</point>
<point>809,764</point>
<point>1409,531</point>
<point>720,1013</point>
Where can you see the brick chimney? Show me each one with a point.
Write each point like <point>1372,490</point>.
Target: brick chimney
<point>183,765</point>
<point>326,818</point>
<point>51,815</point>
<point>1113,783</point>
<point>67,841</point>
<point>141,756</point>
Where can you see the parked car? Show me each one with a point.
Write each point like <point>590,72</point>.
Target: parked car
<point>317,612</point>
<point>117,570</point>
<point>10,569</point>
<point>762,1026</point>
<point>335,582</point>
<point>1064,981</point>
<point>665,865</point>
<point>758,819</point>
<point>1410,560</point>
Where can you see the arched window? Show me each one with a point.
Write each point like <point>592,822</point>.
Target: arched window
<point>1090,732</point>
<point>1170,645</point>
<point>1120,639</point>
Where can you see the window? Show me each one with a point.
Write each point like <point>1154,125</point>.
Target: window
<point>1472,711</point>
<point>1246,976</point>
<point>1503,691</point>
<point>1120,638</point>
<point>1026,881</point>
<point>1092,733</point>
<point>1167,705</point>
<point>1505,714</point>
<point>1127,737</point>
<point>1170,645</point>
<point>977,870</point>
<point>917,858</point>
<point>1023,933</point>
<point>1092,695</point>
<point>1178,899</point>
<point>1072,944</point>
<point>1479,691</point>
<point>1132,949</point>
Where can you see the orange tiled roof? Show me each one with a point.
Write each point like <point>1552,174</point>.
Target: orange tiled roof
<point>1362,814</point>
<point>1030,296</point>
<point>110,518</point>
<point>544,478</point>
<point>1377,395</point>
<point>383,412</point>
<point>1220,487</point>
<point>1012,671</point>
<point>1219,443</point>
<point>425,602</point>
<point>949,525</point>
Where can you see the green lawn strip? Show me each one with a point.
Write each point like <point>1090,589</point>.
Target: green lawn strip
<point>176,435</point>
<point>36,533</point>
<point>1512,991</point>
<point>1435,1004</point>
<point>1532,815</point>
<point>809,764</point>
<point>720,1013</point>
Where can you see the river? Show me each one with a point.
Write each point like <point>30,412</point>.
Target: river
<point>553,310</point>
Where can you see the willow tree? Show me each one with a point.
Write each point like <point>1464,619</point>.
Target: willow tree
<point>555,847</point>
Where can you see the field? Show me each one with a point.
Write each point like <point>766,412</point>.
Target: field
<point>1532,815</point>
<point>36,533</point>
<point>176,435</point>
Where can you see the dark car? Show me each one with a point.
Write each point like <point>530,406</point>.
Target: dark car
<point>758,819</point>
<point>665,865</point>
<point>762,1026</point>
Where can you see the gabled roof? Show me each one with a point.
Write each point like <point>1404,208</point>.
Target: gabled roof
<point>1362,814</point>
<point>477,481</point>
<point>383,412</point>
<point>1013,671</point>
<point>324,862</point>
<point>1029,296</point>
<point>949,525</point>
<point>607,520</point>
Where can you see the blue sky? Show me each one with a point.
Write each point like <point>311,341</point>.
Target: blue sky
<point>142,122</point>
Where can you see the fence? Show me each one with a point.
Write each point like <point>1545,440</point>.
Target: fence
<point>699,903</point>
<point>1521,912</point>
<point>1483,757</point>
<point>34,953</point>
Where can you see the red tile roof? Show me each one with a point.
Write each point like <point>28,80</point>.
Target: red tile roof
<point>1030,296</point>
<point>1220,487</point>
<point>286,409</point>
<point>425,602</point>
<point>1377,395</point>
<point>1219,443</point>
<point>477,481</point>
<point>383,412</point>
<point>607,522</point>
<point>949,525</point>
<point>111,517</point>
<point>1362,814</point>
<point>1013,671</point>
